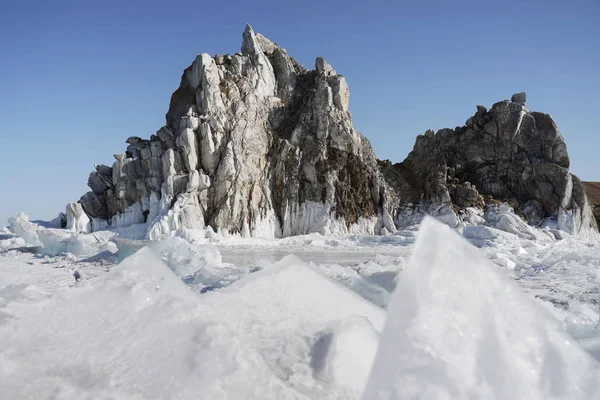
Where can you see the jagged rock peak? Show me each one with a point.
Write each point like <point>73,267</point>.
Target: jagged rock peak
<point>249,43</point>
<point>255,42</point>
<point>519,98</point>
<point>253,143</point>
<point>323,67</point>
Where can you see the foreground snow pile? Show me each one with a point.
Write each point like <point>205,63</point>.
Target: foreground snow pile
<point>139,332</point>
<point>9,241</point>
<point>457,329</point>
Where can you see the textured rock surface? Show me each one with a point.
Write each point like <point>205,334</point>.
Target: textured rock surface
<point>509,154</point>
<point>593,194</point>
<point>254,143</point>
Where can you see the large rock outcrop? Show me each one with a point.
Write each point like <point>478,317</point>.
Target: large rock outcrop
<point>254,143</point>
<point>508,154</point>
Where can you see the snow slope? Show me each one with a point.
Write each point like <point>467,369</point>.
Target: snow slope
<point>138,332</point>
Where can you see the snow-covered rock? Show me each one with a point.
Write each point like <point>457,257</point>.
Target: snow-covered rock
<point>505,154</point>
<point>502,217</point>
<point>257,145</point>
<point>254,144</point>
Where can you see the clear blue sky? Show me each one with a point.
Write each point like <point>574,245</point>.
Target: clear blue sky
<point>78,77</point>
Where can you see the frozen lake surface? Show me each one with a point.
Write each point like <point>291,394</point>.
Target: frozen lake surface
<point>307,317</point>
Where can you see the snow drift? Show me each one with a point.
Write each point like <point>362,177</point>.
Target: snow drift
<point>140,333</point>
<point>52,241</point>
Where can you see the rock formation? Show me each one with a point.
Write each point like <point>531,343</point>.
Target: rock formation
<point>593,194</point>
<point>505,154</point>
<point>254,143</point>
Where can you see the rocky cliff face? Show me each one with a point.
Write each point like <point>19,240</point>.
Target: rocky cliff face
<point>259,145</point>
<point>507,153</point>
<point>254,143</point>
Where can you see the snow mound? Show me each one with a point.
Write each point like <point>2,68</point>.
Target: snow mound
<point>502,217</point>
<point>313,333</point>
<point>352,352</point>
<point>138,332</point>
<point>199,263</point>
<point>292,286</point>
<point>485,236</point>
<point>9,241</point>
<point>184,258</point>
<point>458,329</point>
<point>56,241</point>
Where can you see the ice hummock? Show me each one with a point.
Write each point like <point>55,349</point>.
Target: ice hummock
<point>52,241</point>
<point>287,328</point>
<point>140,332</point>
<point>457,329</point>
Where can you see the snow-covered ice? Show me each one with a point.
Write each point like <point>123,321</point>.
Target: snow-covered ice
<point>140,332</point>
<point>199,314</point>
<point>53,241</point>
<point>457,329</point>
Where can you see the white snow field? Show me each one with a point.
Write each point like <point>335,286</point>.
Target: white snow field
<point>504,312</point>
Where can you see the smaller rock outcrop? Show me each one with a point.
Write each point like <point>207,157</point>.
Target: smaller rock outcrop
<point>592,190</point>
<point>507,154</point>
<point>519,98</point>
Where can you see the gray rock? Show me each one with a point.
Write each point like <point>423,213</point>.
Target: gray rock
<point>510,154</point>
<point>519,98</point>
<point>133,140</point>
<point>99,183</point>
<point>254,143</point>
<point>323,67</point>
<point>103,169</point>
<point>257,144</point>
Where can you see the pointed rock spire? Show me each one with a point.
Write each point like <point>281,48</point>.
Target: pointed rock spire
<point>249,43</point>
